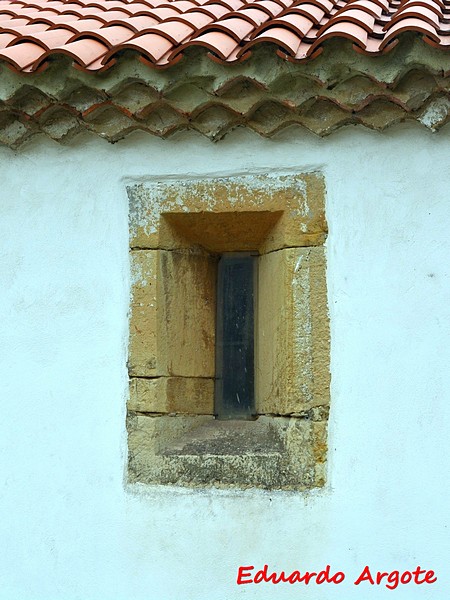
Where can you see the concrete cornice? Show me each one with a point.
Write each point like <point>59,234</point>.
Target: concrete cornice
<point>265,94</point>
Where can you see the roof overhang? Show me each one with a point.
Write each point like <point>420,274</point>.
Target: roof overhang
<point>265,93</point>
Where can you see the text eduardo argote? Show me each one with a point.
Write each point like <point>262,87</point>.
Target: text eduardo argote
<point>367,576</point>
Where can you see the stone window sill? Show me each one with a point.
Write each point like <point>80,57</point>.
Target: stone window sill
<point>269,452</point>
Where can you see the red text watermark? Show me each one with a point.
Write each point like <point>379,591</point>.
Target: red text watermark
<point>391,580</point>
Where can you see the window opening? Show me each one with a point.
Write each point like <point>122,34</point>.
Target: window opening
<point>235,333</point>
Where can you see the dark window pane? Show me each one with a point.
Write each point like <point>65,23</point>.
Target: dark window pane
<point>234,393</point>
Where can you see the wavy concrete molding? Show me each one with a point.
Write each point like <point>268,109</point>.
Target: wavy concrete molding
<point>265,94</point>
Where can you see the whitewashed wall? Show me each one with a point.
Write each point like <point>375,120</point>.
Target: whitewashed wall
<point>69,527</point>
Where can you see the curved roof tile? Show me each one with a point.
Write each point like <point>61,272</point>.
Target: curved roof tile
<point>94,32</point>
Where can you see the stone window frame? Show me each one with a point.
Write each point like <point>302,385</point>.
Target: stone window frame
<point>177,229</point>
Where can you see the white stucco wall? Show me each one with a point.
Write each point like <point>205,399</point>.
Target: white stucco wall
<point>69,527</point>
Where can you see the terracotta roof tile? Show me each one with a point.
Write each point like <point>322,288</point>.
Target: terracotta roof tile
<point>69,22</point>
<point>183,5</point>
<point>410,24</point>
<point>110,36</point>
<point>22,56</point>
<point>195,19</point>
<point>308,10</point>
<point>372,8</point>
<point>220,44</point>
<point>49,39</point>
<point>272,8</point>
<point>296,23</point>
<point>140,23</point>
<point>228,4</point>
<point>84,52</point>
<point>252,15</point>
<point>174,31</point>
<point>354,15</point>
<point>238,28</point>
<point>94,33</point>
<point>6,39</point>
<point>164,12</point>
<point>288,40</point>
<point>19,30</point>
<point>216,11</point>
<point>418,12</point>
<point>152,45</point>
<point>7,19</point>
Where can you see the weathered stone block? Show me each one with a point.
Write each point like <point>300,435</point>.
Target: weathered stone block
<point>270,453</point>
<point>142,356</point>
<point>296,201</point>
<point>187,313</point>
<point>292,358</point>
<point>219,232</point>
<point>172,324</point>
<point>188,395</point>
<point>302,222</point>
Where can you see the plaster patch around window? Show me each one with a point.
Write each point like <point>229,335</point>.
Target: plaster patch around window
<point>178,229</point>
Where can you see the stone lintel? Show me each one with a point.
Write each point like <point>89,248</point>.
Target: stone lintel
<point>267,212</point>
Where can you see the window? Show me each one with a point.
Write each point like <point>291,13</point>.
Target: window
<point>228,320</point>
<point>234,396</point>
